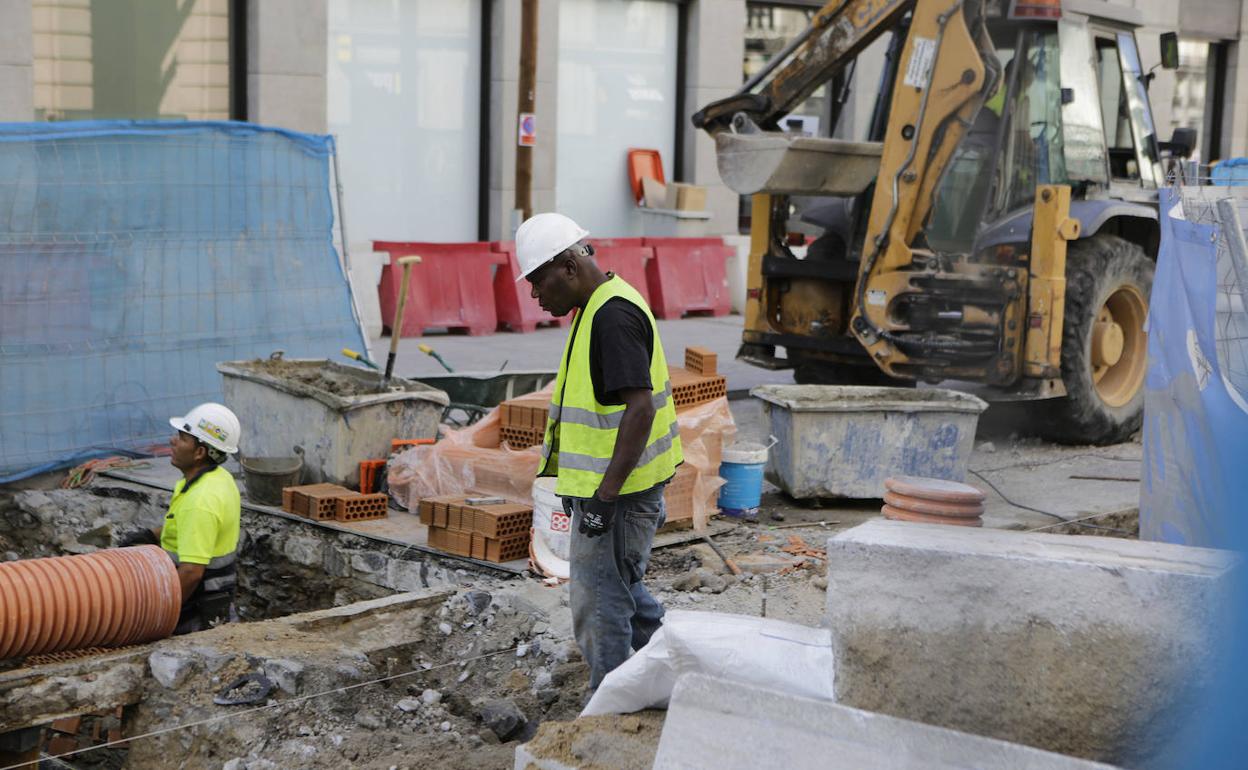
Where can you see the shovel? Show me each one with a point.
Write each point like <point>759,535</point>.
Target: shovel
<point>396,329</point>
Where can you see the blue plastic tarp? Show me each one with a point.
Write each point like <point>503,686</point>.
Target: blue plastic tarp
<point>135,255</point>
<point>1195,436</point>
<point>1232,172</point>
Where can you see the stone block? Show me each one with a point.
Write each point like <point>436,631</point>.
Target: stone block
<point>369,561</point>
<point>714,723</point>
<point>406,575</point>
<point>304,551</point>
<point>286,674</point>
<point>1090,646</point>
<point>171,667</point>
<point>337,562</point>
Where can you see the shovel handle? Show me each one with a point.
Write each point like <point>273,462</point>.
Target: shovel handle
<point>396,329</point>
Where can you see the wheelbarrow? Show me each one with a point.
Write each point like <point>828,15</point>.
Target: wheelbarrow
<point>473,394</point>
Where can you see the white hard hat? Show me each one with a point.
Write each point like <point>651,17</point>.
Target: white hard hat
<point>543,237</point>
<point>213,424</point>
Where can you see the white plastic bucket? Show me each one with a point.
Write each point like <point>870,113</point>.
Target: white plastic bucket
<point>549,521</point>
<point>742,471</point>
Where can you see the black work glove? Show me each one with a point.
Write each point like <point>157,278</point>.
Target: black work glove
<point>138,537</point>
<point>596,516</point>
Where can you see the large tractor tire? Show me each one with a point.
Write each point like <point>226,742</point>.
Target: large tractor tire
<point>1104,345</point>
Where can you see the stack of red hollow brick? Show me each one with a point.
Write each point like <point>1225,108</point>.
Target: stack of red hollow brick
<point>522,422</point>
<point>331,501</point>
<point>495,532</point>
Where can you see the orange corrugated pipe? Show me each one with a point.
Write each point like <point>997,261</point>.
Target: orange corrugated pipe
<point>105,599</point>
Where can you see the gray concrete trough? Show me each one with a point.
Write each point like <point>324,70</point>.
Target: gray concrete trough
<point>724,725</point>
<point>1089,646</point>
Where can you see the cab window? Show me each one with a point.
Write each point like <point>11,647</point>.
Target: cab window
<point>1115,112</point>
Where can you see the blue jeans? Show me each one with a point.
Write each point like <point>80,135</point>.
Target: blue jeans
<point>612,612</point>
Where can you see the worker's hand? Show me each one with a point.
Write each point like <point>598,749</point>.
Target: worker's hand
<point>142,536</point>
<point>596,516</point>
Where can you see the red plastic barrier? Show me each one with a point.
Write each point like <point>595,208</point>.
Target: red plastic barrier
<point>450,287</point>
<point>625,257</point>
<point>688,275</point>
<point>513,301</point>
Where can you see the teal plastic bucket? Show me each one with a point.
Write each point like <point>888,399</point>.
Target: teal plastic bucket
<point>742,471</point>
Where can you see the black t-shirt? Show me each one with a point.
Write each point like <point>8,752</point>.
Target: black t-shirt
<point>620,350</point>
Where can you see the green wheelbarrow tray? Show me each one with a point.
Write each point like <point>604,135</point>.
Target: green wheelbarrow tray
<point>473,394</point>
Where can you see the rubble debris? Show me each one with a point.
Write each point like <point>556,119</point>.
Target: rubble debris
<point>503,717</point>
<point>702,578</point>
<point>593,743</point>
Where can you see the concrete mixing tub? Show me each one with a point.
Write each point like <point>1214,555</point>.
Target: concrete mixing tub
<point>843,441</point>
<point>334,413</point>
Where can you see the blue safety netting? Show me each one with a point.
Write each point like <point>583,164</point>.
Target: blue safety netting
<point>1196,394</point>
<point>134,256</point>
<point>1194,485</point>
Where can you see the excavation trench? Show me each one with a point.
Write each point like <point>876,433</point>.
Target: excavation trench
<point>376,653</point>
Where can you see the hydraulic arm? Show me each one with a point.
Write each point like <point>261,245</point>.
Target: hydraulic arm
<point>946,69</point>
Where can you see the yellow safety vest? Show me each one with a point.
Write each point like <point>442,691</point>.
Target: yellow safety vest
<point>580,432</point>
<point>202,527</point>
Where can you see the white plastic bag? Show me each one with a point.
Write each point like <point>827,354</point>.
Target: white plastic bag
<point>762,652</point>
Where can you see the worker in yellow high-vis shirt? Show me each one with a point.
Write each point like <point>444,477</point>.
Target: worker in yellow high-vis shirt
<point>201,529</point>
<point>611,440</point>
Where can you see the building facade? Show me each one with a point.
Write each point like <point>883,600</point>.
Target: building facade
<point>422,94</point>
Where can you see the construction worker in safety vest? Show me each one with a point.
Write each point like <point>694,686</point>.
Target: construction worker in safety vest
<point>611,438</point>
<point>201,529</point>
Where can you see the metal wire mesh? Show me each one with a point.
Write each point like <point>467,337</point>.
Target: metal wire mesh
<point>134,256</point>
<point>1200,206</point>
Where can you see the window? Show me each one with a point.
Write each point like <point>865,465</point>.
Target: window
<point>983,183</point>
<point>617,90</point>
<point>1033,141</point>
<point>404,86</point>
<point>131,59</point>
<point>1129,134</point>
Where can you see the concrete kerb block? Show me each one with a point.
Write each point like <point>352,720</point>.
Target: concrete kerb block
<point>715,723</point>
<point>1090,646</point>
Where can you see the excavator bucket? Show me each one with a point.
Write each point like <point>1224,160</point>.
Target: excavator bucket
<point>771,162</point>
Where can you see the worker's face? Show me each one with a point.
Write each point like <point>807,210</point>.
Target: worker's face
<point>553,285</point>
<point>187,451</point>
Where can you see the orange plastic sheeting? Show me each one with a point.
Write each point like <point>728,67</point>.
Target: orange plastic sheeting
<point>470,460</point>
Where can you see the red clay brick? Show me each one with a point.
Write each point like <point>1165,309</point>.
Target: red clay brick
<point>700,360</point>
<point>62,744</point>
<point>67,725</point>
<point>299,496</point>
<point>507,550</point>
<point>502,521</point>
<point>360,507</point>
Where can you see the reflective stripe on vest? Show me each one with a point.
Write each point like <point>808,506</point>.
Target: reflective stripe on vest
<point>580,432</point>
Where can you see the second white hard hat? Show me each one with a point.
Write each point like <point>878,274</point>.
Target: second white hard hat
<point>213,424</point>
<point>543,237</point>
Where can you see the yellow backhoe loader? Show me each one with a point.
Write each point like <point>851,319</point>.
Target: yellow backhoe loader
<point>999,226</point>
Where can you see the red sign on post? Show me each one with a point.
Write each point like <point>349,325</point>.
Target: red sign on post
<point>527,130</point>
